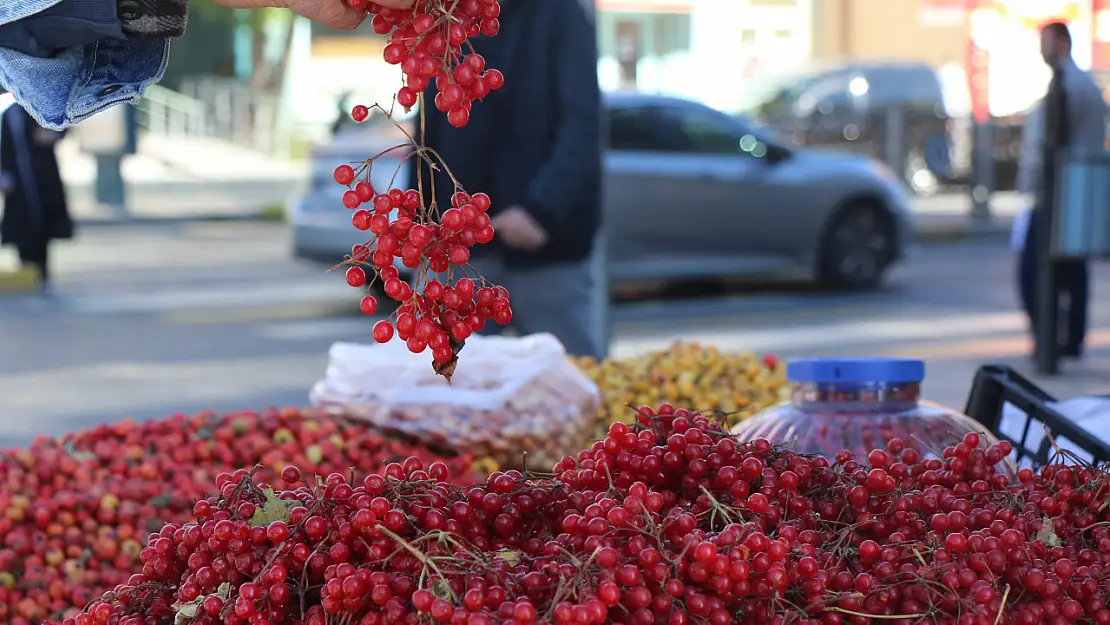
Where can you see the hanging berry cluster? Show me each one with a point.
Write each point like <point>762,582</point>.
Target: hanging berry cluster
<point>439,309</point>
<point>428,46</point>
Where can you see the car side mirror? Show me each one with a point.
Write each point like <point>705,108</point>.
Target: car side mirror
<point>777,154</point>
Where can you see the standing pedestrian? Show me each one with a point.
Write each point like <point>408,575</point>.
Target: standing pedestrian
<point>535,147</point>
<point>343,116</point>
<point>1071,118</point>
<point>35,211</point>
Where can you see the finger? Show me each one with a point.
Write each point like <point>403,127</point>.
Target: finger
<point>532,241</point>
<point>537,235</point>
<point>334,13</point>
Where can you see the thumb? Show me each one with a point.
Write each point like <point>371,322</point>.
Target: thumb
<point>334,13</point>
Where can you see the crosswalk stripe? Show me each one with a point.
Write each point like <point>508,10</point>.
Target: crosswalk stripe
<point>830,335</point>
<point>1011,346</point>
<point>780,338</point>
<point>231,297</point>
<point>258,314</point>
<point>315,329</point>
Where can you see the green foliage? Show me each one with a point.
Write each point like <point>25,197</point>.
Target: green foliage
<point>273,509</point>
<point>258,19</point>
<point>211,12</point>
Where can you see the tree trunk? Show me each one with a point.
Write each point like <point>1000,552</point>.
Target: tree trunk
<point>278,74</point>
<point>258,55</point>
<point>269,76</point>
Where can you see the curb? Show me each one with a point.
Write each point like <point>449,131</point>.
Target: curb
<point>932,235</point>
<point>957,234</point>
<point>261,216</point>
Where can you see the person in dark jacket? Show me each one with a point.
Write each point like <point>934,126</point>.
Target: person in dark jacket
<point>35,211</point>
<point>1070,118</point>
<point>535,147</point>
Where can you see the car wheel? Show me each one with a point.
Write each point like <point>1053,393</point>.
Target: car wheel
<point>919,178</point>
<point>857,249</point>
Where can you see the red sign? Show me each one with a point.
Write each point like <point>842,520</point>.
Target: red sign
<point>1100,42</point>
<point>978,64</point>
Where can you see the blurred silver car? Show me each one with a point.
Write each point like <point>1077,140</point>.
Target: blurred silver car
<point>690,193</point>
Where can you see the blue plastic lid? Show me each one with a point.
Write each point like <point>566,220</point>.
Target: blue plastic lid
<point>855,370</point>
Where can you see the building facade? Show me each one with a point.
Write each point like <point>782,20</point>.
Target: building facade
<point>701,49</point>
<point>711,50</point>
<point>707,49</point>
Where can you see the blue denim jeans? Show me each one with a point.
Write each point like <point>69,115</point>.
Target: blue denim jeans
<point>81,81</point>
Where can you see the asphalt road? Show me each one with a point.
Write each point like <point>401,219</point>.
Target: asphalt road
<point>147,321</point>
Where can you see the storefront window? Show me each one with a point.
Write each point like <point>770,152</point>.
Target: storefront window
<point>640,50</point>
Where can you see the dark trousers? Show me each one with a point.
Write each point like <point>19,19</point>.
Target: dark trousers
<point>36,254</point>
<point>1073,281</point>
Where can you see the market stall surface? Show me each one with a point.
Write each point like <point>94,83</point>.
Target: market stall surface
<point>148,321</point>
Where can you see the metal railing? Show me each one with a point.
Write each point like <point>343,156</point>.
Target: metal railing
<point>238,114</point>
<point>218,109</point>
<point>168,113</point>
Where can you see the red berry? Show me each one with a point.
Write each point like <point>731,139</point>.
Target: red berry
<point>406,97</point>
<point>356,276</point>
<point>291,475</point>
<point>458,116</point>
<point>383,331</point>
<point>344,174</point>
<point>368,305</point>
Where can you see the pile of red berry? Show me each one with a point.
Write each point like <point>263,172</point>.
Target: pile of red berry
<point>427,41</point>
<point>75,512</point>
<point>666,522</point>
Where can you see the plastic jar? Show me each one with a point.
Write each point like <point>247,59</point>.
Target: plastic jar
<point>859,405</point>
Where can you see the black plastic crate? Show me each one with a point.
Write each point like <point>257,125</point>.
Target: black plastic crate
<point>998,385</point>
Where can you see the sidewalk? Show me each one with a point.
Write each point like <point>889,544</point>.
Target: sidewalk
<point>948,380</point>
<point>948,217</point>
<point>185,180</point>
<point>188,201</point>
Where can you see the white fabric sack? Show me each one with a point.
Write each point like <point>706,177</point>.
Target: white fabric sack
<point>490,371</point>
<point>507,396</point>
<point>1090,413</point>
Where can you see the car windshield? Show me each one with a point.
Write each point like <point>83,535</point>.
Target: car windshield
<point>768,96</point>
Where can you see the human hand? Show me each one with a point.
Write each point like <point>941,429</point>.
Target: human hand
<point>334,13</point>
<point>518,229</point>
